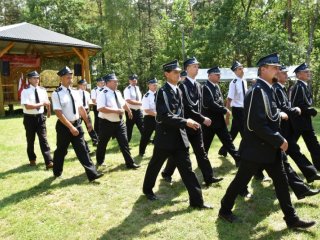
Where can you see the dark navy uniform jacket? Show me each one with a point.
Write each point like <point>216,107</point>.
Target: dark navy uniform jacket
<point>261,141</point>
<point>213,105</point>
<point>284,105</point>
<point>301,97</point>
<point>192,111</point>
<point>171,128</point>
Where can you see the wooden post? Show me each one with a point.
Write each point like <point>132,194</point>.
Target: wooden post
<point>2,52</point>
<point>2,112</point>
<point>86,65</point>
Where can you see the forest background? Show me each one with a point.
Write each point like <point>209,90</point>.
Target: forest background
<point>138,36</point>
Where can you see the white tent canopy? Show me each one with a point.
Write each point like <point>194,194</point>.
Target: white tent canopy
<point>249,73</point>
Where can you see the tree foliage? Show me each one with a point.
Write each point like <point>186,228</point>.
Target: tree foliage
<point>138,36</point>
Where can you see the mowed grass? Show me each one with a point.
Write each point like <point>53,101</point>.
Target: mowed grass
<point>33,205</point>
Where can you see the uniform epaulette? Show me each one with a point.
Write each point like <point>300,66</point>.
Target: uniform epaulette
<point>95,88</point>
<point>41,87</point>
<point>147,94</point>
<point>117,90</point>
<point>26,87</point>
<point>100,89</point>
<point>235,80</point>
<point>129,86</point>
<point>105,91</point>
<point>58,89</point>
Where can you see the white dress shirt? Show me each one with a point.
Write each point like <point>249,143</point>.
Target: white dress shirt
<point>130,94</point>
<point>107,99</point>
<point>148,102</point>
<point>28,97</point>
<point>236,92</point>
<point>95,92</point>
<point>87,99</point>
<point>61,100</point>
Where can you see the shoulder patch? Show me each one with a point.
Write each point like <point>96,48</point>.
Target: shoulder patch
<point>234,81</point>
<point>147,94</point>
<point>58,89</point>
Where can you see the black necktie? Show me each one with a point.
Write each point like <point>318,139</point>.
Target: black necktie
<point>73,105</point>
<point>118,103</point>
<point>135,89</point>
<point>37,97</point>
<point>83,99</point>
<point>243,89</point>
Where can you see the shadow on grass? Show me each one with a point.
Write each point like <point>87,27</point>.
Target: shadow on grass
<point>21,169</point>
<point>254,211</point>
<point>48,184</point>
<point>146,213</point>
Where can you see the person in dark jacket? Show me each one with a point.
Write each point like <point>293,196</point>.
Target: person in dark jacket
<point>262,145</point>
<point>171,138</point>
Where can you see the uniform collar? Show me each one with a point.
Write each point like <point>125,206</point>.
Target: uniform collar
<point>281,85</point>
<point>214,84</point>
<point>269,85</point>
<point>239,78</point>
<point>32,87</point>
<point>305,83</point>
<point>109,89</point>
<point>193,81</point>
<point>64,88</point>
<point>174,87</point>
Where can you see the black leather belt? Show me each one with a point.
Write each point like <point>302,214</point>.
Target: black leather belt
<point>33,115</point>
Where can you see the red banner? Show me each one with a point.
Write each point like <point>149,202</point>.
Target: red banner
<point>22,60</point>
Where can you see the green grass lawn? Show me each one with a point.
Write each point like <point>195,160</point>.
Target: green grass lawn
<point>33,205</point>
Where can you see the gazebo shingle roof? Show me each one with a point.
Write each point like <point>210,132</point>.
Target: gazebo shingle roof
<point>26,32</point>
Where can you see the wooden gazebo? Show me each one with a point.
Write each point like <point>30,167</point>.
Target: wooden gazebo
<point>23,46</point>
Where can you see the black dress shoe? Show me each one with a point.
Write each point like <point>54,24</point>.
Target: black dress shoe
<point>231,218</point>
<point>99,175</point>
<point>213,180</point>
<point>151,196</point>
<point>313,178</point>
<point>301,224</point>
<point>203,206</point>
<point>222,152</point>
<point>166,178</point>
<point>133,166</point>
<point>308,193</point>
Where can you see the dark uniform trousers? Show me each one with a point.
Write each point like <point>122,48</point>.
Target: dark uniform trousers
<point>214,109</point>
<point>171,141</point>
<point>181,159</point>
<point>149,127</point>
<point>196,141</point>
<point>236,125</point>
<point>301,97</point>
<point>117,130</point>
<point>260,149</point>
<point>312,144</point>
<point>137,119</point>
<point>276,171</point>
<point>192,100</point>
<point>36,124</point>
<point>64,137</point>
<point>295,182</point>
<point>224,137</point>
<point>96,119</point>
<point>306,167</point>
<point>93,135</point>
